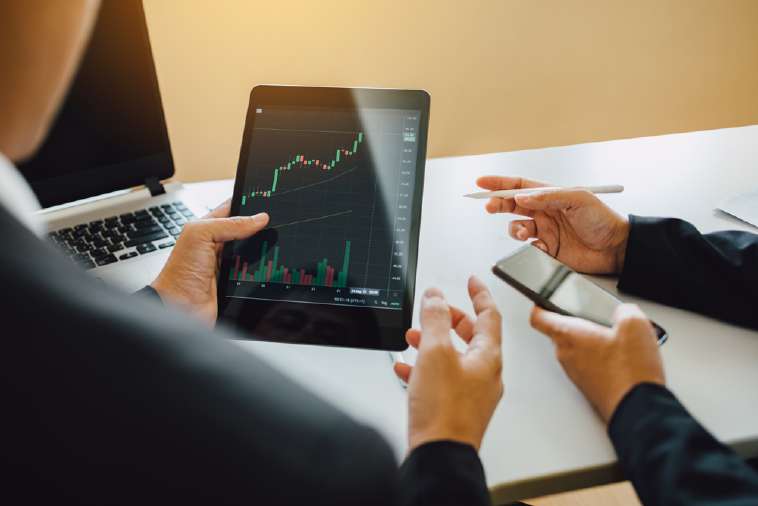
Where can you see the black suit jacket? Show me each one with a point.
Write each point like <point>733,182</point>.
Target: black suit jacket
<point>110,399</point>
<point>669,457</point>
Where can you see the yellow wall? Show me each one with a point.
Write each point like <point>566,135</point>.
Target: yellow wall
<point>503,74</point>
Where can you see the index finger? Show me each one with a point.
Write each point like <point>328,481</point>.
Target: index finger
<point>565,330</point>
<point>501,205</point>
<point>507,183</point>
<point>436,320</point>
<point>487,327</point>
<point>229,229</point>
<point>460,321</point>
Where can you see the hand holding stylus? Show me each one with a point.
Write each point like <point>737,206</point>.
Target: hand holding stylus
<point>570,224</point>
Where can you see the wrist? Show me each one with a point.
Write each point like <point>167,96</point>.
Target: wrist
<point>161,289</point>
<point>442,434</point>
<point>155,285</point>
<point>613,401</point>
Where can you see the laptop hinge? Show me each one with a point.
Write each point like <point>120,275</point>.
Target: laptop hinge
<point>155,186</point>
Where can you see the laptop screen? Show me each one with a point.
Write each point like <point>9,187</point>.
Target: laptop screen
<point>110,133</point>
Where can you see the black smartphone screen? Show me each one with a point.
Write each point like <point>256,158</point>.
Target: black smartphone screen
<point>556,287</point>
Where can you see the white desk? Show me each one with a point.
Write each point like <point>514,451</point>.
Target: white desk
<point>544,437</point>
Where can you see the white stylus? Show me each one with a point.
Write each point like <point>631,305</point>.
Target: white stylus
<point>509,194</point>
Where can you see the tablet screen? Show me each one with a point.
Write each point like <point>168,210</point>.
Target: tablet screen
<point>339,185</point>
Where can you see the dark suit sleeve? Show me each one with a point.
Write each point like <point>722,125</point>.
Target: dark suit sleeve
<point>671,459</point>
<point>443,473</point>
<point>669,261</point>
<point>111,399</point>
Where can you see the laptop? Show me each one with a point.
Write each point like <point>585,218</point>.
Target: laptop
<point>99,173</point>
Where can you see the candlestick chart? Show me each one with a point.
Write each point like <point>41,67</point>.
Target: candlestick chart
<point>339,201</point>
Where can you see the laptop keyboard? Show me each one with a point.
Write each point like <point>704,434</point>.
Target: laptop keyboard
<point>103,242</point>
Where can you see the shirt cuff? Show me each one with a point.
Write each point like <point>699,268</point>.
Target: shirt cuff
<point>462,453</point>
<point>633,414</point>
<point>149,293</point>
<point>444,473</point>
<point>642,232</point>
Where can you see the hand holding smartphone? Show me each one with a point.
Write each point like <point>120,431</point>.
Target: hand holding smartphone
<point>554,286</point>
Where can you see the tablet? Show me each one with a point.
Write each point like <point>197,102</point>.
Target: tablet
<point>340,172</point>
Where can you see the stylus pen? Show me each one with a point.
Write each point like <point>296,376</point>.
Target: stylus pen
<point>509,194</point>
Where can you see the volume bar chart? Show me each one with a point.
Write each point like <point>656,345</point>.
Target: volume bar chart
<point>269,270</point>
<point>299,161</point>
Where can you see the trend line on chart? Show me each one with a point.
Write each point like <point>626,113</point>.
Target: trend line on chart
<point>299,161</point>
<point>312,219</point>
<point>285,192</point>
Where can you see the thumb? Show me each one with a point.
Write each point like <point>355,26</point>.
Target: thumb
<point>220,211</point>
<point>555,200</point>
<point>631,317</point>
<point>566,330</point>
<point>229,229</point>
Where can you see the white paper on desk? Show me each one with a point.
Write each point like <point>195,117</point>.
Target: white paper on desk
<point>743,207</point>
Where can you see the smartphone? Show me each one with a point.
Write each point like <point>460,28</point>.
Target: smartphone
<point>556,287</point>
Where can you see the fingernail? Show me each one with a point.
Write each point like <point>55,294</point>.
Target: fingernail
<point>431,293</point>
<point>260,217</point>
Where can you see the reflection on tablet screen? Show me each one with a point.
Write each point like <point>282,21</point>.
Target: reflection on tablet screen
<point>338,185</point>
